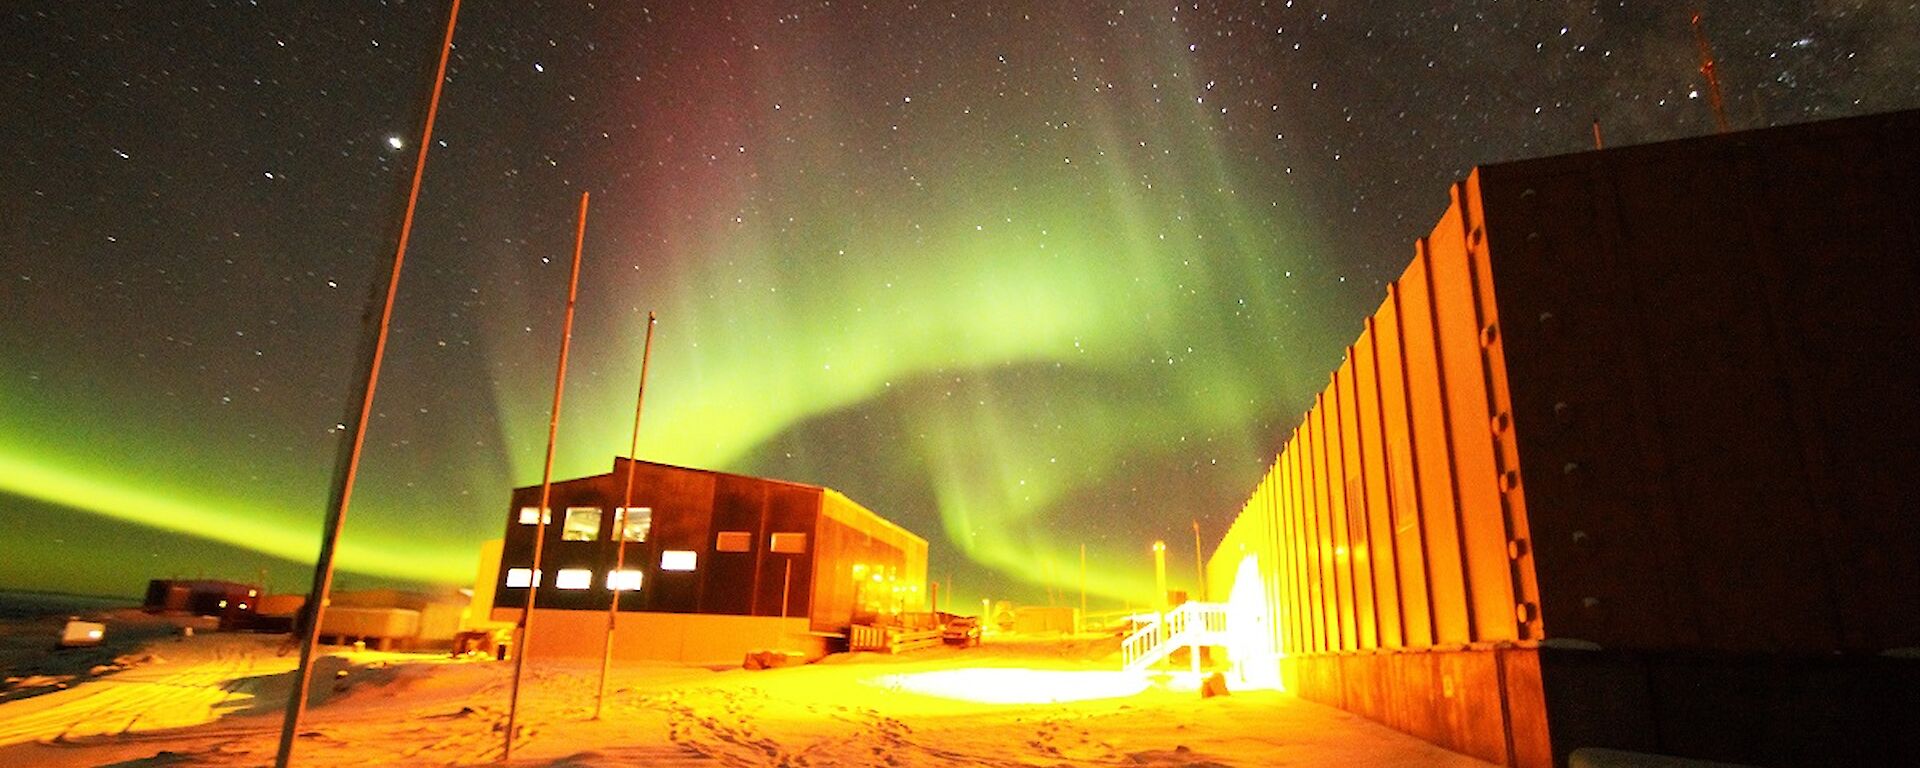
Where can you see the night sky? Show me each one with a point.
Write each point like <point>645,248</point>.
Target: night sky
<point>1017,276</point>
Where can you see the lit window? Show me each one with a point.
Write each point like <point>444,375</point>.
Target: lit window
<point>636,526</point>
<point>527,516</point>
<point>734,541</point>
<point>624,580</point>
<point>573,578</point>
<point>677,560</point>
<point>583,524</point>
<point>789,543</point>
<point>520,577</point>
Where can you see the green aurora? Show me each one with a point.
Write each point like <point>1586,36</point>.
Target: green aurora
<point>1017,319</point>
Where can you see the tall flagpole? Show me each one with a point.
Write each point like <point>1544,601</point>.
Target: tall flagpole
<point>546,485</point>
<point>347,466</point>
<point>620,519</point>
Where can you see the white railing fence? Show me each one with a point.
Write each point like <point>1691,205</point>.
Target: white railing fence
<point>1192,625</point>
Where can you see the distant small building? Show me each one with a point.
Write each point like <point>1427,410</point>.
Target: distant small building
<point>715,565</point>
<point>200,597</point>
<point>381,618</point>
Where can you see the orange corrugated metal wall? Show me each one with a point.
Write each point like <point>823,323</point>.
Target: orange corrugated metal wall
<point>1392,517</point>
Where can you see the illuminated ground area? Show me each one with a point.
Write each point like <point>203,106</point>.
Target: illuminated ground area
<point>213,700</point>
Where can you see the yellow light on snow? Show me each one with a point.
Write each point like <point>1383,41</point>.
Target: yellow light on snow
<point>1017,685</point>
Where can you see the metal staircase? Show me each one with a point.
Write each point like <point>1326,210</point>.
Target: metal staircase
<point>1194,625</point>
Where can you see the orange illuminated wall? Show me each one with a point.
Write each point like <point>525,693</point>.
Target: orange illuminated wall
<point>1624,459</point>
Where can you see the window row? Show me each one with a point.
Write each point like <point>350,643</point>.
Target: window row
<point>627,580</point>
<point>583,523</point>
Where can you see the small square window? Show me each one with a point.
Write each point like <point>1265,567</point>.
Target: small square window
<point>624,580</point>
<point>638,521</point>
<point>734,541</point>
<point>527,516</point>
<point>583,524</point>
<point>519,578</point>
<point>573,578</point>
<point>678,560</point>
<point>788,543</point>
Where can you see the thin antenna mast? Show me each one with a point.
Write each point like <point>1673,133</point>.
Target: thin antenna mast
<point>347,468</point>
<point>1712,74</point>
<point>1199,565</point>
<point>546,485</point>
<point>620,519</point>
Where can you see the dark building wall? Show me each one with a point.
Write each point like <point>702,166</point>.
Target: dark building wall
<point>729,522</point>
<point>1721,364</point>
<point>1624,460</point>
<point>788,576</point>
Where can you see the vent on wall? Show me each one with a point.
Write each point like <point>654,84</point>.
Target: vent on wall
<point>788,543</point>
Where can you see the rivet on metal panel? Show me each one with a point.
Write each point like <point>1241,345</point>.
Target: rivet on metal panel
<point>1476,236</point>
<point>1536,243</point>
<point>1579,536</point>
<point>1509,480</point>
<point>1589,602</point>
<point>1523,612</point>
<point>1561,410</point>
<point>1570,468</point>
<point>1516,549</point>
<point>1489,334</point>
<point>1502,422</point>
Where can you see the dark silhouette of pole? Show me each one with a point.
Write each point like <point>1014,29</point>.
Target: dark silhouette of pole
<point>1199,565</point>
<point>347,466</point>
<point>1083,582</point>
<point>546,484</point>
<point>621,518</point>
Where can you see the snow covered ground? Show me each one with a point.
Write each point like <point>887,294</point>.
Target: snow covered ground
<point>216,700</point>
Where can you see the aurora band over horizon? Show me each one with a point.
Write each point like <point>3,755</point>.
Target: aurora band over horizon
<point>1070,337</point>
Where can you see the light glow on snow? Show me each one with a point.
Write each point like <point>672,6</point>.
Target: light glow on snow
<point>1016,685</point>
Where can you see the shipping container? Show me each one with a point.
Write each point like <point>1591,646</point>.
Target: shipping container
<point>1623,460</point>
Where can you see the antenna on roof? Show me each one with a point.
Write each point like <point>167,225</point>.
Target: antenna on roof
<point>1713,78</point>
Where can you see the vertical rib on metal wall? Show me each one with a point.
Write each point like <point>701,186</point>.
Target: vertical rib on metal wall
<point>1284,609</point>
<point>1353,495</point>
<point>1327,451</point>
<point>1403,496</point>
<point>1433,468</point>
<point>1333,586</point>
<point>1457,334</point>
<point>1312,621</point>
<point>1382,552</point>
<point>1318,586</point>
<point>1525,588</point>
